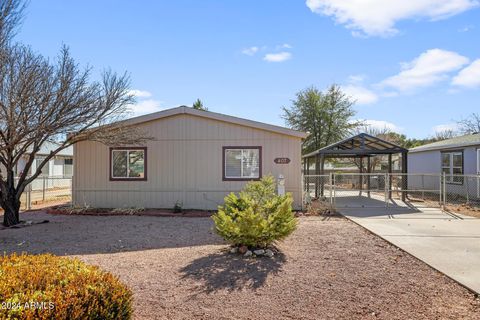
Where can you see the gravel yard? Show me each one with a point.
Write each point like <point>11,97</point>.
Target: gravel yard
<point>179,269</point>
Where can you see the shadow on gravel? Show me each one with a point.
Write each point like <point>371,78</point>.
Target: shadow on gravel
<point>228,271</point>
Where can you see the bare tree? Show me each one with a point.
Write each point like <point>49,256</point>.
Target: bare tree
<point>444,135</point>
<point>41,102</point>
<point>470,124</point>
<point>11,14</point>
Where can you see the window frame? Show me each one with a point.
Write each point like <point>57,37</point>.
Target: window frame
<point>145,163</point>
<point>224,164</point>
<point>451,166</point>
<point>65,166</point>
<point>38,160</point>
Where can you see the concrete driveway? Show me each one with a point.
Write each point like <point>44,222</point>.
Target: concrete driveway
<point>448,242</point>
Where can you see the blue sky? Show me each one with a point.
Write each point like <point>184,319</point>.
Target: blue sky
<point>411,65</point>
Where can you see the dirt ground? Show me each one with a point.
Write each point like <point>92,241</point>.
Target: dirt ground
<point>178,268</point>
<point>472,211</point>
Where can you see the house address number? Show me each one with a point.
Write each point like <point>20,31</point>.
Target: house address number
<point>281,160</point>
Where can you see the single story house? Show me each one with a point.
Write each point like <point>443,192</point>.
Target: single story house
<point>61,165</point>
<point>195,159</point>
<point>454,157</point>
<point>56,173</point>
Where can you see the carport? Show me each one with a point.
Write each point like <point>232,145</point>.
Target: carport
<point>362,147</point>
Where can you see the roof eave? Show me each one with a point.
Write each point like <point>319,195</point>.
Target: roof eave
<point>215,116</point>
<point>444,147</point>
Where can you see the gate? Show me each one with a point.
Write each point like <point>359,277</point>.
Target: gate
<point>391,190</point>
<point>360,190</point>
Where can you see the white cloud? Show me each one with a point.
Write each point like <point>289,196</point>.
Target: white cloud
<point>360,94</point>
<point>140,93</point>
<point>356,78</point>
<point>468,77</point>
<point>445,127</point>
<point>145,107</point>
<point>466,28</point>
<point>250,51</point>
<point>283,46</point>
<point>427,69</point>
<point>378,17</point>
<point>381,125</point>
<point>277,57</point>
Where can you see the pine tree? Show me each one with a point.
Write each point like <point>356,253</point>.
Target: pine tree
<point>198,105</point>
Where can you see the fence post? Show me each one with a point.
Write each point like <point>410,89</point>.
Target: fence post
<point>466,186</point>
<point>423,187</point>
<point>331,189</point>
<point>29,197</point>
<point>386,189</point>
<point>302,195</point>
<point>334,185</point>
<point>43,190</point>
<point>440,189</point>
<point>444,189</point>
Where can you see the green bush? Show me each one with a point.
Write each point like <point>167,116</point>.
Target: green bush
<point>51,287</point>
<point>257,216</point>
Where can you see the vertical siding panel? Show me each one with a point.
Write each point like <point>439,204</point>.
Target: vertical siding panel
<point>187,155</point>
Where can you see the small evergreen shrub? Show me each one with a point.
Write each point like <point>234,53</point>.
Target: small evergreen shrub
<point>50,287</point>
<point>257,216</point>
<point>177,208</point>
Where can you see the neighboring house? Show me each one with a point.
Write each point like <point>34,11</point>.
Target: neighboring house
<point>195,159</point>
<point>61,165</point>
<point>56,173</point>
<point>456,156</point>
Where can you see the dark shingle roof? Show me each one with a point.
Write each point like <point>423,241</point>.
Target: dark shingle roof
<point>461,141</point>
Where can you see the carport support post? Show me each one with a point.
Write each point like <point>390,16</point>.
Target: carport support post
<point>389,176</point>
<point>322,172</point>
<point>368,176</point>
<point>360,177</point>
<point>405,177</point>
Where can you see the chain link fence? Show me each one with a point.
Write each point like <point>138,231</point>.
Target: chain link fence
<point>387,189</point>
<point>45,191</point>
<point>354,189</point>
<point>461,190</point>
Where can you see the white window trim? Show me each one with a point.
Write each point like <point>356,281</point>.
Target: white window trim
<point>449,177</point>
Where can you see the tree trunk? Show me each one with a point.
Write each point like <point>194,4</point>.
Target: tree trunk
<point>11,207</point>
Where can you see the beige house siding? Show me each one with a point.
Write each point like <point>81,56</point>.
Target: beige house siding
<point>184,163</point>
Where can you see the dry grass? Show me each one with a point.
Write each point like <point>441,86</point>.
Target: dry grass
<point>472,211</point>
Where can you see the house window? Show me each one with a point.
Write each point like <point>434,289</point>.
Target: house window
<point>45,170</point>
<point>242,163</point>
<point>452,166</point>
<point>128,164</point>
<point>68,167</point>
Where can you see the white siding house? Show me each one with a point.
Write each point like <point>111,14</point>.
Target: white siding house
<point>59,167</point>
<point>454,157</point>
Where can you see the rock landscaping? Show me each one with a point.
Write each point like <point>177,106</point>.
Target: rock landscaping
<point>178,268</point>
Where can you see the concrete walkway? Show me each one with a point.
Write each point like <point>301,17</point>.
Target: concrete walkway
<point>448,242</point>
